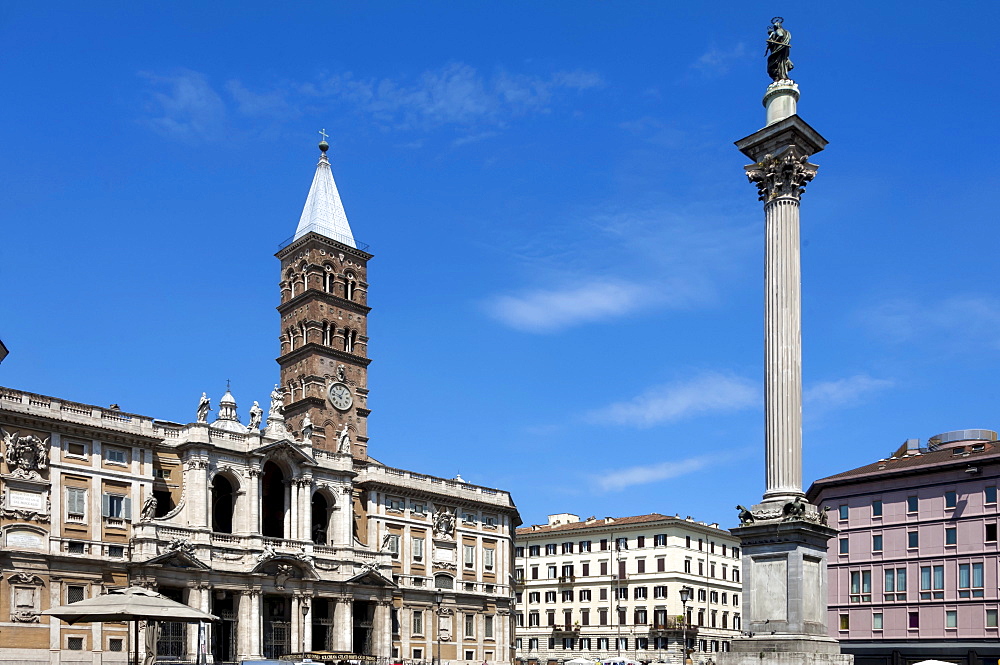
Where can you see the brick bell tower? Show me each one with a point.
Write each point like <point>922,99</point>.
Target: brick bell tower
<point>324,323</point>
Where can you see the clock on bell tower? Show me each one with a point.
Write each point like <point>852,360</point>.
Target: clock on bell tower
<point>324,322</point>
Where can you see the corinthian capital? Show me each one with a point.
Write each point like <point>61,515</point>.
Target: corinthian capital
<point>782,175</point>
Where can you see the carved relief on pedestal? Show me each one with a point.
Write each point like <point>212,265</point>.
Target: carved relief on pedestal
<point>783,175</point>
<point>776,511</point>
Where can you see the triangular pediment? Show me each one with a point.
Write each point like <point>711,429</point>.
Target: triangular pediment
<point>285,447</point>
<point>369,577</point>
<point>177,559</point>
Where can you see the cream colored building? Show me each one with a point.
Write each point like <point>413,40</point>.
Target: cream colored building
<point>282,525</point>
<point>609,589</point>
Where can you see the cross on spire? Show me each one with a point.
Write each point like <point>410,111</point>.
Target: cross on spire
<point>323,133</point>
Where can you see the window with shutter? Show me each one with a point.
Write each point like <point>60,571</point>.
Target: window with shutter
<point>76,501</point>
<point>418,548</point>
<point>488,557</point>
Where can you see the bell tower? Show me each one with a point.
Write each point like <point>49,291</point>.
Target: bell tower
<point>324,323</point>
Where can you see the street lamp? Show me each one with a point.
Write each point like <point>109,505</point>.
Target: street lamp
<point>685,597</point>
<point>304,607</point>
<point>438,598</point>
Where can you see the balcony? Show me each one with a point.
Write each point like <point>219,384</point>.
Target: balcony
<point>671,625</point>
<point>565,628</point>
<point>567,579</point>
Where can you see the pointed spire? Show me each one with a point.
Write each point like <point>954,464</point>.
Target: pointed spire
<point>324,211</point>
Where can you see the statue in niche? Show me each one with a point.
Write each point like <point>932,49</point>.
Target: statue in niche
<point>204,406</point>
<point>148,511</point>
<point>256,413</point>
<point>26,456</point>
<point>277,402</point>
<point>779,46</point>
<point>444,523</point>
<point>344,440</point>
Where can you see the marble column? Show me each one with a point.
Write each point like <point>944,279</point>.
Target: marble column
<point>292,508</point>
<point>783,538</point>
<point>254,626</point>
<point>253,499</point>
<point>343,624</point>
<point>782,349</point>
<point>382,629</point>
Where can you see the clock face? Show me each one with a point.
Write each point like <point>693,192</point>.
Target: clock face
<point>340,396</point>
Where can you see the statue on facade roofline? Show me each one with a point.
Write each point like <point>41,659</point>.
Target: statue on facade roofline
<point>277,402</point>
<point>344,440</point>
<point>307,428</point>
<point>148,511</point>
<point>779,46</point>
<point>256,413</point>
<point>204,406</point>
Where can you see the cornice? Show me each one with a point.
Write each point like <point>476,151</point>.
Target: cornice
<point>328,298</point>
<point>313,347</point>
<point>312,236</point>
<point>82,430</point>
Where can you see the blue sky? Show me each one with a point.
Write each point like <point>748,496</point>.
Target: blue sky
<point>567,283</point>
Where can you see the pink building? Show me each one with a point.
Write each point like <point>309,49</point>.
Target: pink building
<point>914,571</point>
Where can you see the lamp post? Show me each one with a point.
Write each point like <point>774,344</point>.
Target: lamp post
<point>304,607</point>
<point>685,597</point>
<point>438,599</point>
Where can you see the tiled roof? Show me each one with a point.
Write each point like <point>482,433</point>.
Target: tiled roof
<point>915,462</point>
<point>599,523</point>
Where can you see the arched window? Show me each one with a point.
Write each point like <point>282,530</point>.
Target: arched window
<point>444,582</point>
<point>291,339</point>
<point>350,337</point>
<point>305,334</point>
<point>350,283</point>
<point>223,502</point>
<point>320,519</point>
<point>290,279</point>
<point>272,501</point>
<point>327,334</point>
<point>328,278</point>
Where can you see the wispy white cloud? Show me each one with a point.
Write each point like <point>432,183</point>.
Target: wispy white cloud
<point>455,95</point>
<point>621,479</point>
<point>843,392</point>
<point>972,320</point>
<point>184,105</point>
<point>677,261</point>
<point>716,62</point>
<point>709,392</point>
<point>273,103</point>
<point>544,311</point>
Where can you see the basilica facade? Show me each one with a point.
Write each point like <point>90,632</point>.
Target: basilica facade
<point>282,526</point>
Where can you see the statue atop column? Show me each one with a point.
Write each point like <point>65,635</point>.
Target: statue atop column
<point>779,46</point>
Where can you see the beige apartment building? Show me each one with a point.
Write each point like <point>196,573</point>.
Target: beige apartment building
<point>610,588</point>
<point>280,523</point>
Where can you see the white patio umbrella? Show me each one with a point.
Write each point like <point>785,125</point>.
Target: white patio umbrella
<point>132,604</point>
<point>579,661</point>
